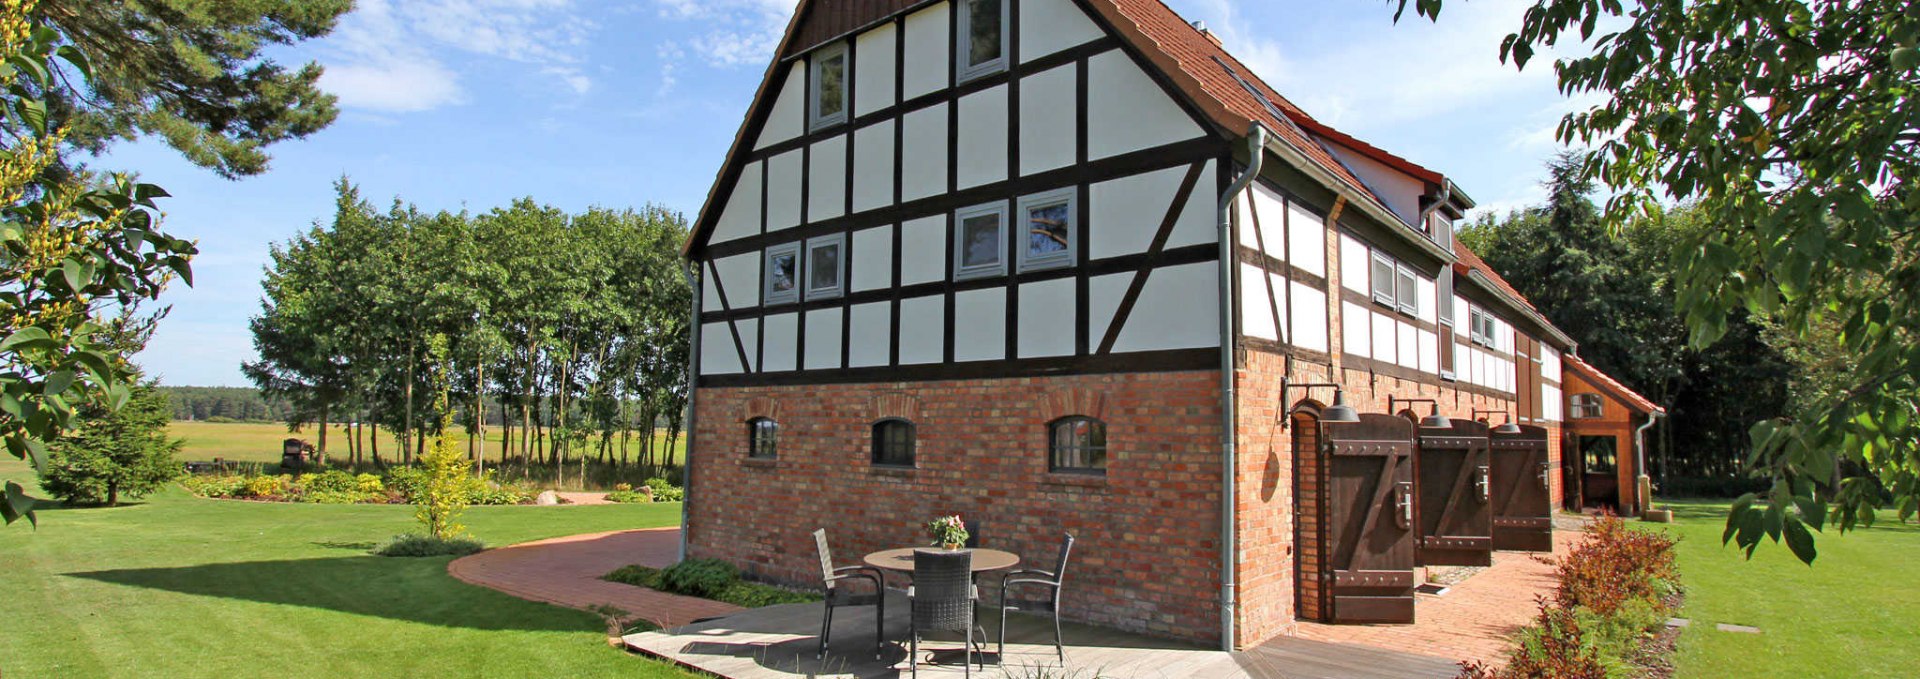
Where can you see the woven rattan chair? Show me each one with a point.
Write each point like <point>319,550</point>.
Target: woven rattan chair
<point>838,594</point>
<point>943,599</point>
<point>1048,583</point>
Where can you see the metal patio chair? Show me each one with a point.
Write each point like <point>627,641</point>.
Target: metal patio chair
<point>835,581</point>
<point>943,598</point>
<point>1049,582</point>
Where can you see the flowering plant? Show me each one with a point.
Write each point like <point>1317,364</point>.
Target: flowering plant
<point>948,530</point>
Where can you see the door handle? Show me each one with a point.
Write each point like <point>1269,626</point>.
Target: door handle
<point>1546,479</point>
<point>1485,485</point>
<point>1403,505</point>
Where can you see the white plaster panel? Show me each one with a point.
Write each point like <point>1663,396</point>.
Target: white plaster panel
<point>1127,111</point>
<point>1460,315</point>
<point>928,66</point>
<point>1550,403</point>
<point>1197,222</point>
<point>923,153</point>
<point>1408,340</point>
<point>870,337</point>
<point>1243,216</point>
<point>1385,339</point>
<point>1309,314</point>
<point>1272,209</point>
<point>923,250</point>
<point>923,330</point>
<point>740,275</point>
<point>980,325</point>
<point>1307,238</point>
<point>827,179</point>
<point>741,217</point>
<point>717,353</point>
<point>1429,352</point>
<point>1048,26</point>
<point>983,137</point>
<point>823,338</point>
<point>1426,291</point>
<point>1046,318</point>
<point>1178,309</point>
<point>1256,312</point>
<point>1280,288</point>
<point>1356,330</point>
<point>1356,271</point>
<point>1127,211</point>
<point>1103,300</point>
<point>1550,363</point>
<point>783,191</point>
<point>782,339</point>
<point>873,166</point>
<point>872,258</point>
<point>873,69</point>
<point>1049,112</point>
<point>788,116</point>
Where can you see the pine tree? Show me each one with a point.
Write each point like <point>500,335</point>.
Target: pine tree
<point>115,453</point>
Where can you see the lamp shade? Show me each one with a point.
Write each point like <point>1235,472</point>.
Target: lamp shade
<point>1340,411</point>
<point>1507,428</point>
<point>1435,420</point>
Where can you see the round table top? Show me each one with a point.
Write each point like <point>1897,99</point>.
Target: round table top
<point>902,559</point>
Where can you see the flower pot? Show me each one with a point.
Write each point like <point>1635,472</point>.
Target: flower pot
<point>952,546</point>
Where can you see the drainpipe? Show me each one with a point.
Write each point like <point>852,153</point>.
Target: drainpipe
<point>1229,548</point>
<point>1640,453</point>
<point>693,378</point>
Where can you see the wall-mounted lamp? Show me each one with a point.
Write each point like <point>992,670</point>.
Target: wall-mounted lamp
<point>1433,420</point>
<point>1507,427</point>
<point>1339,412</point>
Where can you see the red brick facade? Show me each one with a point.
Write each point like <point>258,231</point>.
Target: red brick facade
<point>1147,558</point>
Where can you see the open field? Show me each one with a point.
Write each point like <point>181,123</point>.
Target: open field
<point>260,441</point>
<point>1849,615</point>
<point>176,586</point>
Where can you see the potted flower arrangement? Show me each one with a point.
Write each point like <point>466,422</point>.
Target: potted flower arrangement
<point>948,531</point>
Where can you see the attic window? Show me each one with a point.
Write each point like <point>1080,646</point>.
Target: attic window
<point>828,93</point>
<point>982,32</point>
<point>1255,91</point>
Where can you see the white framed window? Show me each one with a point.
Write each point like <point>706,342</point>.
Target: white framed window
<point>1584,406</point>
<point>1383,282</point>
<point>1051,230</point>
<point>782,284</point>
<point>981,34</point>
<point>827,92</point>
<point>1407,290</point>
<point>826,266</point>
<point>1477,327</point>
<point>980,241</point>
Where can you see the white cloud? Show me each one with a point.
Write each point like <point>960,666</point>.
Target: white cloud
<point>729,33</point>
<point>390,56</point>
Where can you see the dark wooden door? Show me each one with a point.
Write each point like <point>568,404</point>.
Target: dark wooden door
<point>1522,500</point>
<point>1370,518</point>
<point>1453,490</point>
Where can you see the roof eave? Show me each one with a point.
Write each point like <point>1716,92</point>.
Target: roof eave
<point>1367,203</point>
<point>1553,333</point>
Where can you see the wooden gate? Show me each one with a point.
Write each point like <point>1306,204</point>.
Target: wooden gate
<point>1454,493</point>
<point>1370,518</point>
<point>1522,498</point>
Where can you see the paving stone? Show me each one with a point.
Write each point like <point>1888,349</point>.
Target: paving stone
<point>1679,622</point>
<point>567,570</point>
<point>1742,629</point>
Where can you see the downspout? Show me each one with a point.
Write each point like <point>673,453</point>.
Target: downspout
<point>1640,453</point>
<point>693,412</point>
<point>1229,548</point>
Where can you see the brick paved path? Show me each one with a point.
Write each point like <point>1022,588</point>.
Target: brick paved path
<point>1475,620</point>
<point>567,570</point>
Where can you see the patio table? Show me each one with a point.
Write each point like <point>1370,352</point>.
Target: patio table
<point>901,560</point>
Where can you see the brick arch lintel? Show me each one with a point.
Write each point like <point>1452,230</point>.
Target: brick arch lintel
<point>895,404</point>
<point>760,406</point>
<point>1075,401</point>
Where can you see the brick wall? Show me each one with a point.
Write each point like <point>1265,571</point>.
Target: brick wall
<point>1147,559</point>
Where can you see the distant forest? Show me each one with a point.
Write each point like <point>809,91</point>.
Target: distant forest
<point>231,403</point>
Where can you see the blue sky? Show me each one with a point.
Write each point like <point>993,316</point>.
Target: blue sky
<point>454,104</point>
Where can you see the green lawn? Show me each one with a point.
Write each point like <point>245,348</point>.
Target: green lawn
<point>1852,614</point>
<point>177,586</point>
<point>260,442</point>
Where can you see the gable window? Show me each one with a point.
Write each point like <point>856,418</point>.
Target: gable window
<point>1407,293</point>
<point>980,247</point>
<point>1050,230</point>
<point>982,32</point>
<point>828,94</point>
<point>1585,406</point>
<point>763,438</point>
<point>1383,279</point>
<point>893,443</point>
<point>826,266</point>
<point>782,274</point>
<point>1077,445</point>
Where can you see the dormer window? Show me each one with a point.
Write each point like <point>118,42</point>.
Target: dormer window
<point>827,96</point>
<point>982,32</point>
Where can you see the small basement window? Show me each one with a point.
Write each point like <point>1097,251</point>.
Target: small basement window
<point>893,443</point>
<point>763,438</point>
<point>981,35</point>
<point>827,96</point>
<point>1050,230</point>
<point>1077,445</point>
<point>782,275</point>
<point>826,266</point>
<point>981,241</point>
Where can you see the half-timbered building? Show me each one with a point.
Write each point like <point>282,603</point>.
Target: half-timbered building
<point>1069,266</point>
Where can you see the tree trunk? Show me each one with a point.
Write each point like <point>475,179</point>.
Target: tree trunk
<point>320,452</point>
<point>113,494</point>
<point>375,438</point>
<point>407,435</point>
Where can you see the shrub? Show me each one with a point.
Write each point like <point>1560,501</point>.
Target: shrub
<point>414,544</point>
<point>338,497</point>
<point>699,577</point>
<point>445,495</point>
<point>483,490</point>
<point>1554,647</point>
<point>663,491</point>
<point>224,485</point>
<point>737,592</point>
<point>407,481</point>
<point>637,575</point>
<point>267,487</point>
<point>329,481</point>
<point>1614,564</point>
<point>111,453</point>
<point>643,495</point>
<point>369,483</point>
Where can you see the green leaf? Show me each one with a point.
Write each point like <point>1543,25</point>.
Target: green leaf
<point>18,505</point>
<point>58,382</point>
<point>1904,58</point>
<point>26,337</point>
<point>1800,542</point>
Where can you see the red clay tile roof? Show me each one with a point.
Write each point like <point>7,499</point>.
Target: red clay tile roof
<point>1468,261</point>
<point>1612,386</point>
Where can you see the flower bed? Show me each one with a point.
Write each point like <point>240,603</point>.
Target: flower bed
<point>709,579</point>
<point>398,485</point>
<point>655,490</point>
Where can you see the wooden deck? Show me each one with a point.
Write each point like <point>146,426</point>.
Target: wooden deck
<point>778,642</point>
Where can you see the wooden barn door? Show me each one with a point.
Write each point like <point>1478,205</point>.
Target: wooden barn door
<point>1370,518</point>
<point>1522,503</point>
<point>1454,492</point>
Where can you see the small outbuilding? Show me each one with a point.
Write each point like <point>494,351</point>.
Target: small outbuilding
<point>1605,464</point>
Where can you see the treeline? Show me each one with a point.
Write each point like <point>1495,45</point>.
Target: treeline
<point>1612,290</point>
<point>234,403</point>
<point>568,330</point>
